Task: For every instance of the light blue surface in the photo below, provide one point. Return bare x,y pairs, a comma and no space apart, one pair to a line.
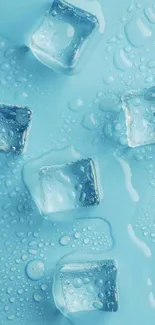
83,111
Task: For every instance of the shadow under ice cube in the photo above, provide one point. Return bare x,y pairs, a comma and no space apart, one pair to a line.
139,107
14,123
67,36
57,188
87,286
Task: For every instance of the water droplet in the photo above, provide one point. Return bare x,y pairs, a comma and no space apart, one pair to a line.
64,241
24,257
5,67
98,305
12,299
11,317
20,291
86,241
131,7
108,80
90,289
32,251
37,297
35,234
32,243
77,235
90,121
9,52
99,283
77,283
137,32
86,280
9,290
121,61
151,64
150,15
76,105
35,270
149,79
44,287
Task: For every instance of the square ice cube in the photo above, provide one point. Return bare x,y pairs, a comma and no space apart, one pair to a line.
68,34
14,122
57,188
87,287
139,107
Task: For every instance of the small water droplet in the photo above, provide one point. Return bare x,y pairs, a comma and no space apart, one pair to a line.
44,287
11,317
99,283
98,305
37,297
77,235
20,291
86,280
86,241
12,299
9,290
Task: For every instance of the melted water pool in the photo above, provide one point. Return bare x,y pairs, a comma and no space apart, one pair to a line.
83,112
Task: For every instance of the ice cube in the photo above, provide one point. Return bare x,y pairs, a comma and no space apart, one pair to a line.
139,107
87,286
68,34
57,188
14,122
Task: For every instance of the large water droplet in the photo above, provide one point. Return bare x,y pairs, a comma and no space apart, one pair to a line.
150,15
137,32
90,121
76,104
121,61
77,283
35,270
64,241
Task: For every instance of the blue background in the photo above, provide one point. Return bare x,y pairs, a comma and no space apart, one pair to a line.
120,63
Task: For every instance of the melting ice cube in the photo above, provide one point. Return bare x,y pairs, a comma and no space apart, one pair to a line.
57,188
139,107
87,286
68,34
14,122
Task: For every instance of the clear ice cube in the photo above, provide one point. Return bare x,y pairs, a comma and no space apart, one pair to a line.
15,123
87,286
68,34
139,107
57,188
